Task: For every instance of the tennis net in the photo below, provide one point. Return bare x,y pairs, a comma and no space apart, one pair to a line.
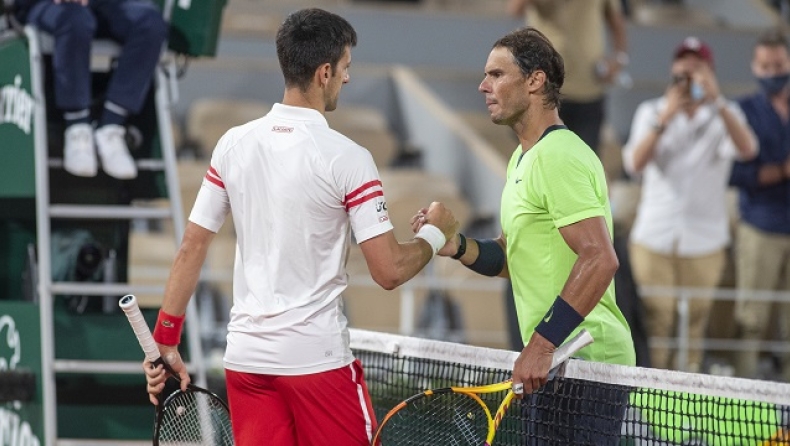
586,403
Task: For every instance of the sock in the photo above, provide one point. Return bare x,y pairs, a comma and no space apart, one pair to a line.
113,114
72,117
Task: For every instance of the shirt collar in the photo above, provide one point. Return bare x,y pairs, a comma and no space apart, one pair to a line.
298,113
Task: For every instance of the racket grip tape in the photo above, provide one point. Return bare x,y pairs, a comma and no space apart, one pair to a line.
568,349
129,306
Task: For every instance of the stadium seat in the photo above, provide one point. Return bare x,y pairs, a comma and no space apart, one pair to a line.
209,118
368,127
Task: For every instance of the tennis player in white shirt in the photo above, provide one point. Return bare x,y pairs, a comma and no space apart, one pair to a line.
295,189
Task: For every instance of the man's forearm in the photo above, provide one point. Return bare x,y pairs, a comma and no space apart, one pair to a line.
185,273
739,133
588,280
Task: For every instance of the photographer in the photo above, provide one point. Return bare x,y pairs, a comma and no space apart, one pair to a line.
682,145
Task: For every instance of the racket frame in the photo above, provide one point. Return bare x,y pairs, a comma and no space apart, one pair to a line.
130,307
561,355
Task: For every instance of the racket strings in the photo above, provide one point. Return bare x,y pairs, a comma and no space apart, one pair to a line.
194,419
442,419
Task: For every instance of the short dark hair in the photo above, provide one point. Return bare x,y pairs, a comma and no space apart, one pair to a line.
308,39
532,51
773,37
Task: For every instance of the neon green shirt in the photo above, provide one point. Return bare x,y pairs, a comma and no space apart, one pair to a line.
560,181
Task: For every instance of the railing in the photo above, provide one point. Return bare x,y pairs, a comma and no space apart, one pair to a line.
684,295
680,342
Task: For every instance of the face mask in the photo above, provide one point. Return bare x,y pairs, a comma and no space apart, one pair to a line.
772,85
696,92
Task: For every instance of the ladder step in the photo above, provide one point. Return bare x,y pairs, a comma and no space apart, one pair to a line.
81,366
116,367
112,212
104,289
153,164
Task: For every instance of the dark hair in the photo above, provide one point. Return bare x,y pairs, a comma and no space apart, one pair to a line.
532,51
773,38
308,39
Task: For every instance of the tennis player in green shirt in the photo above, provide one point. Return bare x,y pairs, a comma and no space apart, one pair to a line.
556,242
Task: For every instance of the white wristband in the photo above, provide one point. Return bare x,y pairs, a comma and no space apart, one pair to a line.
433,235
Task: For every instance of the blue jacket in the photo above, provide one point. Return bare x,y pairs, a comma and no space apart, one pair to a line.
765,207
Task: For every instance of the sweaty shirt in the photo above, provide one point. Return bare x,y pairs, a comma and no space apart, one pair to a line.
558,182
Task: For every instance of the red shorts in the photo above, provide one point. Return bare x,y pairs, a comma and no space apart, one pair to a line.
318,409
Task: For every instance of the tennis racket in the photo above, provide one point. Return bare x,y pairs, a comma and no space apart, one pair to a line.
456,415
193,417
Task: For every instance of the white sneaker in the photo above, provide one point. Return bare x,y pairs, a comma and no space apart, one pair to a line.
79,155
115,158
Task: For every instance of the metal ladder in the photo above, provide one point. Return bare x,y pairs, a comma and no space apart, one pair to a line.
47,289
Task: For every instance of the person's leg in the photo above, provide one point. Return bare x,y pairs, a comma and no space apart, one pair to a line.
330,405
653,269
630,302
585,119
140,29
784,307
575,412
258,411
758,267
700,272
72,27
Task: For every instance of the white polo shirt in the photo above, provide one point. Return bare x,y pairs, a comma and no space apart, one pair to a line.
683,208
295,188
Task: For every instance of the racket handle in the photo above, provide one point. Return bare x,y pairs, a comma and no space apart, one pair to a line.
568,349
129,306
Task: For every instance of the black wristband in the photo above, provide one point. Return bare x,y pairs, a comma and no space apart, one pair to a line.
461,247
490,258
559,322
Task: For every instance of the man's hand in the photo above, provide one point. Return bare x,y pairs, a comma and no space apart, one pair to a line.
705,78
534,364
450,248
438,215
676,97
156,376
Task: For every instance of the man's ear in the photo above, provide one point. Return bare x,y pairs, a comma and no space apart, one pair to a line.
323,73
536,81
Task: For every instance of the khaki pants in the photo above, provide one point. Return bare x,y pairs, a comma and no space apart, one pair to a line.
660,270
763,263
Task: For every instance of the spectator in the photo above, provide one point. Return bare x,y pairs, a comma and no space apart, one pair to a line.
139,27
763,234
588,69
682,145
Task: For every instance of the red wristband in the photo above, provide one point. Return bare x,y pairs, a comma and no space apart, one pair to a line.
168,329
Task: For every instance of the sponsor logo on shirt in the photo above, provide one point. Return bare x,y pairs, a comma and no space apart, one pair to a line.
282,129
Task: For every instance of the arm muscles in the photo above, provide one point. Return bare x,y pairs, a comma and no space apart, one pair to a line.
595,267
392,263
185,272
